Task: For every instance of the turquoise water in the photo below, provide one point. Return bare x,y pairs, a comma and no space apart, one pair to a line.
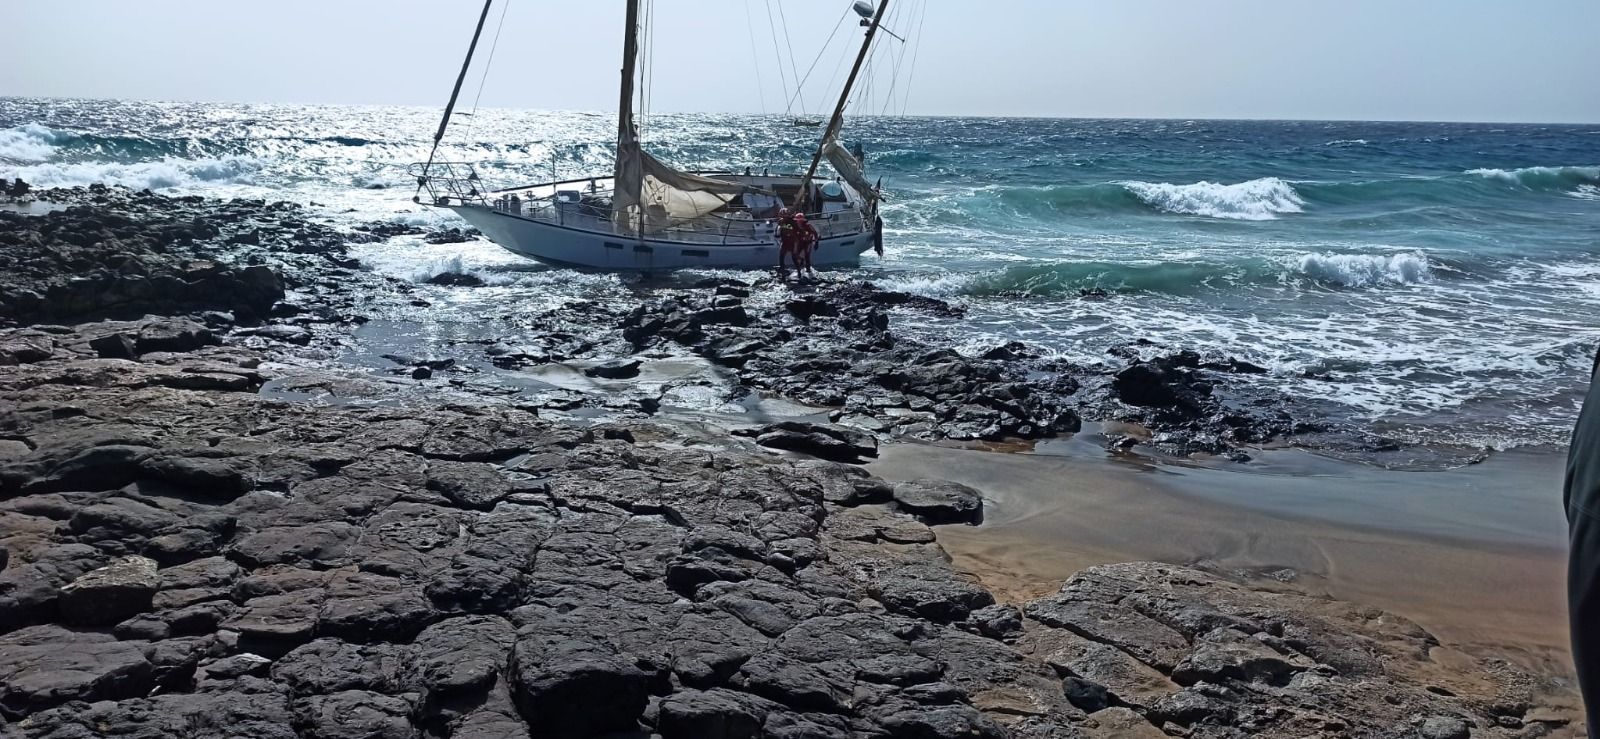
1438,281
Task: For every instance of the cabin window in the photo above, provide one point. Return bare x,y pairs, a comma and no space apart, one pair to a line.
642,249
851,242
613,245
696,253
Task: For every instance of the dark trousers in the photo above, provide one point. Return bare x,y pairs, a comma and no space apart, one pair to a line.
1583,569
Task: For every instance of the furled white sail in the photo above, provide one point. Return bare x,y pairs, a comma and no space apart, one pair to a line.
849,168
665,196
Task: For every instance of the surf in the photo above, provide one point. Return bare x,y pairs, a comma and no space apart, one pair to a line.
1093,278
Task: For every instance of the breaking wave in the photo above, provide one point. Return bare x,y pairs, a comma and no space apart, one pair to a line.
159,175
1089,278
27,143
1543,178
1253,200
1364,270
933,286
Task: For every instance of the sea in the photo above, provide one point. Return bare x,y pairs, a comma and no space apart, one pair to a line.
1437,282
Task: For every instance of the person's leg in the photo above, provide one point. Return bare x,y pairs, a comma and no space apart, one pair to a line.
1583,566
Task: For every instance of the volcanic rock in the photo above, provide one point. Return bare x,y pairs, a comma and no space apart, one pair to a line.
837,443
111,593
939,501
614,369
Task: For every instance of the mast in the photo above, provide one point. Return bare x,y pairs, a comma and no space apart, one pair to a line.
838,111
456,91
627,136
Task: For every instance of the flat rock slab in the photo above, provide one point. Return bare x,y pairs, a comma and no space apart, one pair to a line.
826,441
615,369
939,501
36,674
110,594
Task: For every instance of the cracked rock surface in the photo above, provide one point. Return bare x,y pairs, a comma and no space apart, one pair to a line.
183,556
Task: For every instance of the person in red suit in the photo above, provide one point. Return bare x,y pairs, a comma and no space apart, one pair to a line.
797,238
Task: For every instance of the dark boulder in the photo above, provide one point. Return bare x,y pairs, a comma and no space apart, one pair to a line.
115,346
810,307
939,501
46,666
355,714
712,714
1153,385
451,236
573,692
456,279
314,545
219,479
110,594
614,369
930,592
173,335
997,621
463,656
477,485
366,607
102,467
280,332
827,441
1087,695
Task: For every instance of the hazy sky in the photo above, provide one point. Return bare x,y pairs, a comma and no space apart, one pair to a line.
1486,60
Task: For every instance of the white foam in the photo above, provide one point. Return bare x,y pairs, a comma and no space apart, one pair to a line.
1364,270
1253,200
458,265
1587,192
1348,142
1532,176
27,143
162,175
932,286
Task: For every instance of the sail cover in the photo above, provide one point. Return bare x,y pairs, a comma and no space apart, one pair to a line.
849,168
665,196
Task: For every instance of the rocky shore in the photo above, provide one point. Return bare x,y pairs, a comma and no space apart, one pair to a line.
194,544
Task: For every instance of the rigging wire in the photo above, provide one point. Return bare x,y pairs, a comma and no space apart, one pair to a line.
761,87
823,51
837,68
894,77
779,56
651,103
911,74
487,65
647,66
788,41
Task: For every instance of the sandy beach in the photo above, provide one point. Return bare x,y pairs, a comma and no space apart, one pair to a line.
1474,554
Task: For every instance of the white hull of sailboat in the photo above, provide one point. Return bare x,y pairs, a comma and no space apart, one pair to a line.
573,247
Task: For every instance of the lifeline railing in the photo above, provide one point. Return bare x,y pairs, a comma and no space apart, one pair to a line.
445,180
459,181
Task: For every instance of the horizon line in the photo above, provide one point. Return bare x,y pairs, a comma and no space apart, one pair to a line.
991,116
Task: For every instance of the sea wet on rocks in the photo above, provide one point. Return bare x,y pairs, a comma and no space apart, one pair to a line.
283,543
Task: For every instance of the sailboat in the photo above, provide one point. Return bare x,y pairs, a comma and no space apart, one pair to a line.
647,216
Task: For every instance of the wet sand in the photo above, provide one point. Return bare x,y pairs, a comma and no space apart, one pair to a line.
1475,555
